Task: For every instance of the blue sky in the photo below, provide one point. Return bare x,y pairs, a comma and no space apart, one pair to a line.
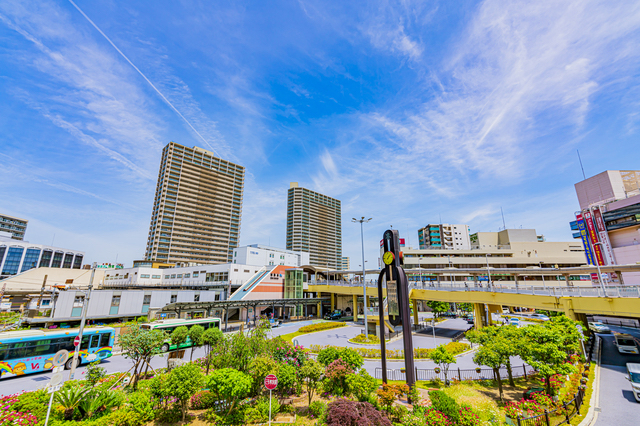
406,111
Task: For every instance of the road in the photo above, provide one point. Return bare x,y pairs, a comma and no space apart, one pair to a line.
617,404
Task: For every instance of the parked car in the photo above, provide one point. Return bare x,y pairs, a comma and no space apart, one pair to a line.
625,343
598,327
333,315
470,320
514,321
633,375
506,311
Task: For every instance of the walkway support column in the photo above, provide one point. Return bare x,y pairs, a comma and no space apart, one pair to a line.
478,315
494,309
355,308
416,320
319,313
333,302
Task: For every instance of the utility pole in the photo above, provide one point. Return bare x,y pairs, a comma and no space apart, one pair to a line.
85,308
44,282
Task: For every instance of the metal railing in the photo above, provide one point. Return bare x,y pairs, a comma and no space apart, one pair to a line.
631,291
427,374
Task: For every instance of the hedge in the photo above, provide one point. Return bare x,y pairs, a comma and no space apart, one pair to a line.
321,326
419,353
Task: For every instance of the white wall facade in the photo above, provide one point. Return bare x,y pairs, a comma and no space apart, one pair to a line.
259,255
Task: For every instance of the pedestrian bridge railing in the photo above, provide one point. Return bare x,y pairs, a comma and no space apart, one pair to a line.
631,291
427,374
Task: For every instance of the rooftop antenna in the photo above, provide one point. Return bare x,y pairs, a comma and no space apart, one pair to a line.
582,168
502,213
440,216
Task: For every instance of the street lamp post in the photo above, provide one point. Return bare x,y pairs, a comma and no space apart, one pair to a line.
488,271
543,284
450,273
364,284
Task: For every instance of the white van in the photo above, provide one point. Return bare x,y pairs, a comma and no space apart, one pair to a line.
625,343
633,375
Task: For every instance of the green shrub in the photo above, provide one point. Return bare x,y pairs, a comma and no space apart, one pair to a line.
141,403
287,379
361,385
321,326
262,405
361,338
327,355
203,400
183,382
317,409
35,403
350,356
445,404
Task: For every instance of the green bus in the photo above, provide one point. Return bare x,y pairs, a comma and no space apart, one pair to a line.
171,324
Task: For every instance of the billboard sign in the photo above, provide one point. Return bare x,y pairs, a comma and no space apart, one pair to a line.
593,237
585,240
604,236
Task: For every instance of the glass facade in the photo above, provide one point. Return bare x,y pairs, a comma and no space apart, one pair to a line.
30,259
57,260
14,255
2,251
45,260
77,262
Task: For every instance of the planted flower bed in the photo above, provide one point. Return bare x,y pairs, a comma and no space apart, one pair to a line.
321,326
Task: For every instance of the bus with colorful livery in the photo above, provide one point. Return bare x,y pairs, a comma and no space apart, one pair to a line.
171,324
32,351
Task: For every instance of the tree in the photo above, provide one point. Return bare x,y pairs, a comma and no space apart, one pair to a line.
489,356
179,336
438,307
183,382
511,338
443,358
195,335
210,338
311,373
260,368
140,345
229,385
544,349
465,307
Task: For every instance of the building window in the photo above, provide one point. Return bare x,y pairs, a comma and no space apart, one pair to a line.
174,298
187,275
68,260
45,260
12,262
115,305
196,297
146,300
77,261
173,276
155,277
30,259
166,277
195,275
57,260
179,276
144,276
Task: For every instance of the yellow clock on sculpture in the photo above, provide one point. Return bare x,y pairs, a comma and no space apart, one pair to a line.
388,258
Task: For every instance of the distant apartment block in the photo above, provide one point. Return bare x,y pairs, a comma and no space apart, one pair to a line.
16,226
314,225
259,255
346,263
197,208
444,236
19,256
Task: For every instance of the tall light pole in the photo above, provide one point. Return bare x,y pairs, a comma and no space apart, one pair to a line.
543,285
364,284
488,271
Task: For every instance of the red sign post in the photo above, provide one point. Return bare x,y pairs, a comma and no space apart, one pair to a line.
270,382
76,341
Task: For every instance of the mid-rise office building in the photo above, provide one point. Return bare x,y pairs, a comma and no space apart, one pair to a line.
314,225
608,222
346,263
259,255
197,208
444,236
14,225
17,256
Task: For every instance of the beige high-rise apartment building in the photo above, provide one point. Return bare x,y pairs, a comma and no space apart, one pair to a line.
197,208
314,225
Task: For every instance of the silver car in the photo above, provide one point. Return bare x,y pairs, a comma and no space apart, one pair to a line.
633,375
598,327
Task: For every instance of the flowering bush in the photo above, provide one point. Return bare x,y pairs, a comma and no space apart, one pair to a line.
434,417
321,326
8,416
467,417
556,381
289,354
202,400
527,407
389,393
336,374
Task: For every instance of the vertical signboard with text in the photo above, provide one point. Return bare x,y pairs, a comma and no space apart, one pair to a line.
585,239
593,237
